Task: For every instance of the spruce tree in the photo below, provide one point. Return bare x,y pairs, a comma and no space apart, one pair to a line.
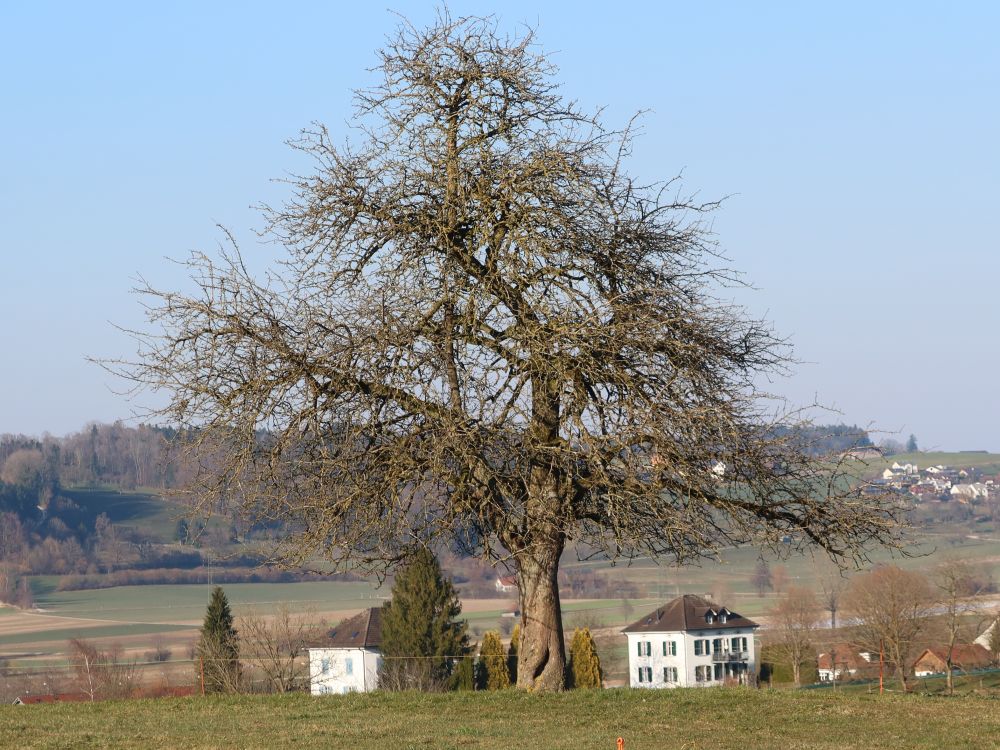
218,647
421,632
493,663
584,665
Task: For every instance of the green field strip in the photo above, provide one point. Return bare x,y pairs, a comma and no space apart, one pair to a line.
97,631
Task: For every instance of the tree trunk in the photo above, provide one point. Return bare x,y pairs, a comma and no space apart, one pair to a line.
541,657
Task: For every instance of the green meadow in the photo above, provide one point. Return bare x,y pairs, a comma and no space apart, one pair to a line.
577,720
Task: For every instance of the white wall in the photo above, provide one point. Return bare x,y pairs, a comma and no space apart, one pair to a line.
343,670
685,661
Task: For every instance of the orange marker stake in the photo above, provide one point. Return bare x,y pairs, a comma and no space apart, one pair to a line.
621,743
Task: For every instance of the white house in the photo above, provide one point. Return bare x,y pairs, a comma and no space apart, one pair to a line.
984,639
842,661
691,642
506,584
349,658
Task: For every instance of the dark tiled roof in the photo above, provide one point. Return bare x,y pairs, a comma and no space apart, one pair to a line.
364,630
687,613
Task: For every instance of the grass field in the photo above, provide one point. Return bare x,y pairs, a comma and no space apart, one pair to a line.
988,462
578,720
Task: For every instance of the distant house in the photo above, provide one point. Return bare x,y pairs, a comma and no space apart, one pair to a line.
506,584
964,658
349,658
984,639
691,642
843,661
971,491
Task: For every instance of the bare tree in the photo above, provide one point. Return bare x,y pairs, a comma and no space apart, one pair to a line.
956,582
891,606
274,645
487,332
779,579
832,584
101,673
793,622
761,577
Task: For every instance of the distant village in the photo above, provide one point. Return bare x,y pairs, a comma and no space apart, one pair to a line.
942,483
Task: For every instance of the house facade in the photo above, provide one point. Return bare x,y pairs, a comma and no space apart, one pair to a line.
506,584
349,658
691,642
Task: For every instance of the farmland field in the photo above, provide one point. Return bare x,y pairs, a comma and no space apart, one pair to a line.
577,720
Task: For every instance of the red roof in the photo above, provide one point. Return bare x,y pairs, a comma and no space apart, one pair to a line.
963,655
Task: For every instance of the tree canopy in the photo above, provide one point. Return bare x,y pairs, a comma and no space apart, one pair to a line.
487,333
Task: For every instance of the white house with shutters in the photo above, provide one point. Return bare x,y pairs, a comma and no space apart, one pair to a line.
349,658
691,642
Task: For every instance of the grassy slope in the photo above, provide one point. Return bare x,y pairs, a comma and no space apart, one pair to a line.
579,720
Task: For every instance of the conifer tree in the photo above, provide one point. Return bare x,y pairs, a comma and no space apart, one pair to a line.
218,647
515,644
493,674
422,637
584,665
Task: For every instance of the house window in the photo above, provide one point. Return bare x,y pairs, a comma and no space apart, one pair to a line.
708,616
349,665
698,649
701,673
718,671
670,674
723,616
645,648
324,665
649,674
645,674
670,648
641,673
716,646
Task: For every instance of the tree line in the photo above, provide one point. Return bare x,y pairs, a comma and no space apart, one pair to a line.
890,613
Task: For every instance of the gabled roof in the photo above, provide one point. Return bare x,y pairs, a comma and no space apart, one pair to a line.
688,613
364,630
969,656
848,655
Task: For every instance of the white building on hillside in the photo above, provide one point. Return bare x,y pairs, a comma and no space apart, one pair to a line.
348,660
691,642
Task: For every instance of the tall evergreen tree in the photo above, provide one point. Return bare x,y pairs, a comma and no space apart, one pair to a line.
584,665
421,632
219,647
493,672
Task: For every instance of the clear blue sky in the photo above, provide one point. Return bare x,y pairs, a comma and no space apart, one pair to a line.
859,142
